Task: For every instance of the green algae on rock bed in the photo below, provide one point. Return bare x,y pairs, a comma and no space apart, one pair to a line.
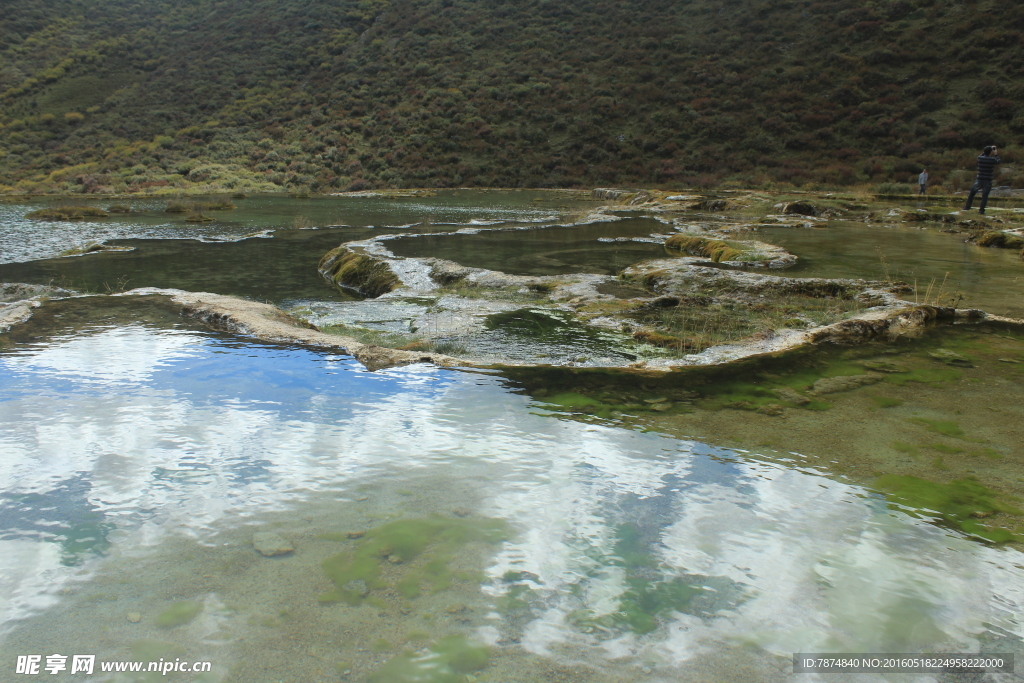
448,660
961,504
179,614
420,549
791,379
919,417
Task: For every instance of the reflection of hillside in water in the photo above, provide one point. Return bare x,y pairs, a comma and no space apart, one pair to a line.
630,549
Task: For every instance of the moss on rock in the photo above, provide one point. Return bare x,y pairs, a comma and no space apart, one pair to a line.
1004,240
716,250
367,275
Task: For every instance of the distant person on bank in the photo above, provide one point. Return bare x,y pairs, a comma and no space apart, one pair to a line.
922,181
986,165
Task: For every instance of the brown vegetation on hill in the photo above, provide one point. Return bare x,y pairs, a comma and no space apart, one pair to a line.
153,95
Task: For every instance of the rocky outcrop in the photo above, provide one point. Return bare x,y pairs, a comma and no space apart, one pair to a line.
92,248
609,194
800,209
19,291
907,320
351,269
270,323
12,314
1003,239
745,253
669,276
641,197
710,205
19,300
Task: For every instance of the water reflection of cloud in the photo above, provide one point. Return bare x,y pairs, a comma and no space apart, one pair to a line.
802,562
127,354
822,566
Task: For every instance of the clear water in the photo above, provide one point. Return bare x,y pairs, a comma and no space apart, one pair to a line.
279,268
22,239
250,251
990,279
543,251
140,453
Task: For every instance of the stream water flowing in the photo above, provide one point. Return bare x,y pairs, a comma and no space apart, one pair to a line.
444,525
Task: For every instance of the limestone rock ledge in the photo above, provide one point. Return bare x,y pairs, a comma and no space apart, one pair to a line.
270,323
18,301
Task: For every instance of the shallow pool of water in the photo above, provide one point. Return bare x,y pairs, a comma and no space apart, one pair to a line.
555,250
443,523
990,279
280,268
22,239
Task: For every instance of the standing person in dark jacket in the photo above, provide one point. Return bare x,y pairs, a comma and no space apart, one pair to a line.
986,165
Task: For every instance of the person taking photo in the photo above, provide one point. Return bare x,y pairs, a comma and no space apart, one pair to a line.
987,161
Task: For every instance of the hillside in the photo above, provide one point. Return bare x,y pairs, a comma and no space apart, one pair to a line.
327,95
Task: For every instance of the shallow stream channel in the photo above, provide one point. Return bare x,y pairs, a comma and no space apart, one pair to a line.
176,492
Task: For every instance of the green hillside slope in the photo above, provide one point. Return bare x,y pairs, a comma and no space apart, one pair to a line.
129,95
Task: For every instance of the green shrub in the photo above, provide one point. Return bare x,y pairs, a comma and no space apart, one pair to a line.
895,188
197,217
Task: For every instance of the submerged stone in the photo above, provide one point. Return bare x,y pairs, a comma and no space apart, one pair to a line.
834,385
270,544
179,614
791,396
883,366
951,358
